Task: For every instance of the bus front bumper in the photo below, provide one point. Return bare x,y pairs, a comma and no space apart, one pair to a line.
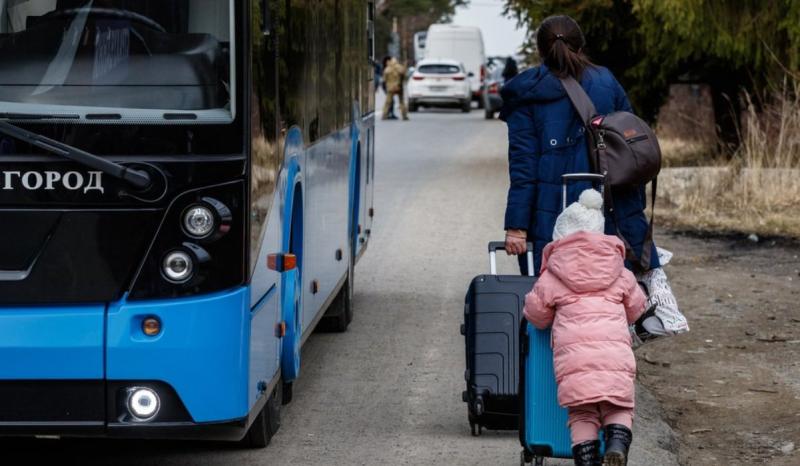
69,371
79,408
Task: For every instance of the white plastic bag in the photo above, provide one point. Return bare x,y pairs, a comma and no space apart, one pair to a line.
662,318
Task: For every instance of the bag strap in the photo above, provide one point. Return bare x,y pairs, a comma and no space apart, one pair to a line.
586,110
580,99
647,246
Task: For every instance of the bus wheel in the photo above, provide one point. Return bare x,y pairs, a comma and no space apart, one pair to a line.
266,423
340,312
288,393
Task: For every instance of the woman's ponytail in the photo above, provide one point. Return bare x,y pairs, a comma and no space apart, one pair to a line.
560,42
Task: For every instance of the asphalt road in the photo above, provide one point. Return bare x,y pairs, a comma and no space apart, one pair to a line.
389,390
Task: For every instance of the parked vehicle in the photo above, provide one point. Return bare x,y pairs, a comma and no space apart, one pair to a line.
495,61
439,83
463,44
492,102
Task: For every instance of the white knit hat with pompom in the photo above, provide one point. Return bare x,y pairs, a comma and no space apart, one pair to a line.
584,215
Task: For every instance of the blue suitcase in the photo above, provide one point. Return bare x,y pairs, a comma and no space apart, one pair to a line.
543,430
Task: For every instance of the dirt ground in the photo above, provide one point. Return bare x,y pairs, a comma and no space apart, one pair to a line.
731,386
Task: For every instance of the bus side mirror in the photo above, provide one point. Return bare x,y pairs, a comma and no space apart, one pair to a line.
266,18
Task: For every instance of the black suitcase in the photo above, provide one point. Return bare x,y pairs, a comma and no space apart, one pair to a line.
492,315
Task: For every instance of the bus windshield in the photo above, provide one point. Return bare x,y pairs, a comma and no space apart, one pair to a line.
118,61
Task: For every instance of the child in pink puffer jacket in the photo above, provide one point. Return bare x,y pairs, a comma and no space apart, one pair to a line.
588,296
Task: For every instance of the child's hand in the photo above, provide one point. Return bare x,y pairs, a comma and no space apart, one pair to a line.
516,242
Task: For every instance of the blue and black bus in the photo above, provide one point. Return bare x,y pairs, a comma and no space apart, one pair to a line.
185,189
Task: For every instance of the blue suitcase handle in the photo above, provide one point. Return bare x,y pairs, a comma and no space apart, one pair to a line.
569,177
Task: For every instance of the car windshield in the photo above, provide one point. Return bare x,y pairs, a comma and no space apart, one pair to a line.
439,68
118,61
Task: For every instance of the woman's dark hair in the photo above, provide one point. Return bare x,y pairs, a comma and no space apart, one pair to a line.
560,42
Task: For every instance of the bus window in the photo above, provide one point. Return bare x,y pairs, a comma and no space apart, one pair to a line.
265,151
123,61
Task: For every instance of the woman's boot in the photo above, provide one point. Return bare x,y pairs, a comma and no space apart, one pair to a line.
618,441
587,453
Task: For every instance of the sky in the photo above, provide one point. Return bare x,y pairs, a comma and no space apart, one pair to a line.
500,34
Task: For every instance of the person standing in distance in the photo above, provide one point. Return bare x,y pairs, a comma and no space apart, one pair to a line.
510,70
394,75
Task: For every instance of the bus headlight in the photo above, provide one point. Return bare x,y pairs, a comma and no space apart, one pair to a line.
177,267
198,221
143,403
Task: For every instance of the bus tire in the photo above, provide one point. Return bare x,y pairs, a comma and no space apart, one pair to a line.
287,393
347,290
466,106
258,435
267,423
340,312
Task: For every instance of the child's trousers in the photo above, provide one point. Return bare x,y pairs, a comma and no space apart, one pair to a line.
585,420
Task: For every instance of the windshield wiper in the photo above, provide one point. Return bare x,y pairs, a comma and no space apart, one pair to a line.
137,178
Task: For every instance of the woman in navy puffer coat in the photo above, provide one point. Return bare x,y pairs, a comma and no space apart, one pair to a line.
546,140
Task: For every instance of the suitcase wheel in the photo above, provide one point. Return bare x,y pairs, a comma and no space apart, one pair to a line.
526,458
476,429
478,406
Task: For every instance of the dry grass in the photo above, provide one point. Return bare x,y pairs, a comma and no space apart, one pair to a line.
677,152
758,190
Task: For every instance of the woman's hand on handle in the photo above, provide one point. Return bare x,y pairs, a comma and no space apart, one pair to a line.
516,242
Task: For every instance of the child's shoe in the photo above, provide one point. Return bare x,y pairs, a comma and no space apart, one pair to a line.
587,453
618,441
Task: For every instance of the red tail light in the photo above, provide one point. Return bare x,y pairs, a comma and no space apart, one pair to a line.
417,78
494,88
483,73
458,78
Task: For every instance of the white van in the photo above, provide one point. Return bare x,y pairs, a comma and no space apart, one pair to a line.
463,44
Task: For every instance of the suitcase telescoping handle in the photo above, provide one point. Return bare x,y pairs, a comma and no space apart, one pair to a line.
566,178
495,245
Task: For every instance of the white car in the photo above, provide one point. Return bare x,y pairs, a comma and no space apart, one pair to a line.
439,83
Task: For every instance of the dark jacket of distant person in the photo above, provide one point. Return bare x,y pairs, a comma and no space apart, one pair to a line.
510,70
